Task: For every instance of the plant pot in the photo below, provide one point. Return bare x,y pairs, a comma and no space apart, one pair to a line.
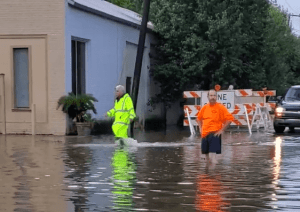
83,128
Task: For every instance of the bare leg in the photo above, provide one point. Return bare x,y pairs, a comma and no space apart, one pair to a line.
204,157
213,157
207,157
212,160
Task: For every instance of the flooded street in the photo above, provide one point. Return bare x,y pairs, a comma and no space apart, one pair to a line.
163,172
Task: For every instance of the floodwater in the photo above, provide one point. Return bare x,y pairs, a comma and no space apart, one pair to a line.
163,172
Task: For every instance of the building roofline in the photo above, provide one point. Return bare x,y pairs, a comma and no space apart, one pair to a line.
102,14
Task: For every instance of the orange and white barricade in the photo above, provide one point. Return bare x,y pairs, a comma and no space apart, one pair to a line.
244,113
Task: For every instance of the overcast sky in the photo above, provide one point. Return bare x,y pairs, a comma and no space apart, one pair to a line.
293,7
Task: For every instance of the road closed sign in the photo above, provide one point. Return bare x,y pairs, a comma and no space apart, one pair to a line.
224,97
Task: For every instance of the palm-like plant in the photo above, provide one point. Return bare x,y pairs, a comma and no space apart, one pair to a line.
77,105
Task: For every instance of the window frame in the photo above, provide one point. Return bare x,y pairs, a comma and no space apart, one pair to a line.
13,99
86,43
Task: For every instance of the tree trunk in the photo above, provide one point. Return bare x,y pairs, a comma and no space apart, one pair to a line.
165,116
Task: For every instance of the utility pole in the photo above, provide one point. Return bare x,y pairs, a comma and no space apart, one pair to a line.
139,57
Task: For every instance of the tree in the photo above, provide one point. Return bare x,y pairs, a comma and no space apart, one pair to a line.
208,42
134,5
281,55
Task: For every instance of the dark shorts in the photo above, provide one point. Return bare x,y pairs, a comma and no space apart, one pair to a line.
211,143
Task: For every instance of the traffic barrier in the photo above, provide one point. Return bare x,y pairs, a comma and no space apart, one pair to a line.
186,122
192,129
238,111
193,110
262,94
192,94
243,92
263,115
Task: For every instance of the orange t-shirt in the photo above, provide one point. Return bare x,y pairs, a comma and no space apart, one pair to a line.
213,118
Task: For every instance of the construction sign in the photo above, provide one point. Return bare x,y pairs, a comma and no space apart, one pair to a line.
224,97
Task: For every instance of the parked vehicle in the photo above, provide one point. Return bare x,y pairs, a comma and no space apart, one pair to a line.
287,111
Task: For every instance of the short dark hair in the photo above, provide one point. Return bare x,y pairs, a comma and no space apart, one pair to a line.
210,91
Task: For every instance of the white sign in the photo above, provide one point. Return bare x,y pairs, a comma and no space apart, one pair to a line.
224,97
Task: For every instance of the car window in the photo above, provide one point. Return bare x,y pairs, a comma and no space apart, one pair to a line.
292,94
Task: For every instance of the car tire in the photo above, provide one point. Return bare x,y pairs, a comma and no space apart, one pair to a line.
279,129
292,129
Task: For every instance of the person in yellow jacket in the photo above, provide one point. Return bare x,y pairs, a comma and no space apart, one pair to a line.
123,112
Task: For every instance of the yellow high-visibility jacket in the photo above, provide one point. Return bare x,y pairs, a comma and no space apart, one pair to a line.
123,111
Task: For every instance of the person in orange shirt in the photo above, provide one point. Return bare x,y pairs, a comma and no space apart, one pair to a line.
212,119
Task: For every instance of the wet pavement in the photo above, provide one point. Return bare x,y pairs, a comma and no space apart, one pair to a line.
163,172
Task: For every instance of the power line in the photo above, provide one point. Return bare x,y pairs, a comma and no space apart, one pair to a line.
290,6
295,7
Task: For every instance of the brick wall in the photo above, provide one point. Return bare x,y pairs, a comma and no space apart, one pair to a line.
40,17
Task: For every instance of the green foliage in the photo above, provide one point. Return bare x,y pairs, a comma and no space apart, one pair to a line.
76,106
281,53
207,42
134,5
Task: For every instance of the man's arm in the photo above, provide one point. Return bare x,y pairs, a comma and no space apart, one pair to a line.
199,124
228,117
199,119
130,108
110,113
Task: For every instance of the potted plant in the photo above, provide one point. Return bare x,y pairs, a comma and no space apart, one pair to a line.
76,106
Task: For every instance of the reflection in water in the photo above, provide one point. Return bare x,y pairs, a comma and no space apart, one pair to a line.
78,161
31,174
123,175
44,173
23,194
208,196
277,159
276,169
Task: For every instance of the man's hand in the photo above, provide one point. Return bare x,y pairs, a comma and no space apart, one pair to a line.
218,133
199,125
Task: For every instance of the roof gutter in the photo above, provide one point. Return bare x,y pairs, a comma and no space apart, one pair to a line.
105,15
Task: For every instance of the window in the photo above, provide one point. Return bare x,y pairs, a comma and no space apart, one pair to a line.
21,77
293,94
128,85
78,67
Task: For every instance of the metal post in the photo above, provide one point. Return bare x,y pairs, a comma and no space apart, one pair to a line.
3,115
190,123
33,119
139,57
246,113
